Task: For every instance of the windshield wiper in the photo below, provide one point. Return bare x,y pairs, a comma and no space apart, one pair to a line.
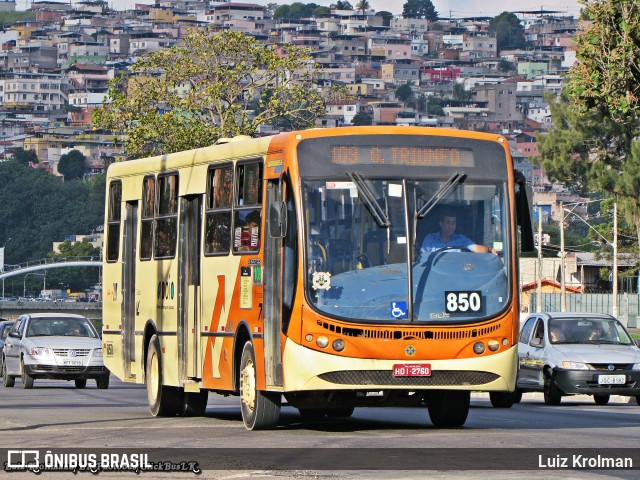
379,215
442,192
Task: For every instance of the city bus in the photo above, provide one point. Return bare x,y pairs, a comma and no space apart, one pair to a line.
290,270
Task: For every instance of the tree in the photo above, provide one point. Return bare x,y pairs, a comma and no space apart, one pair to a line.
362,6
25,157
509,31
362,118
271,8
188,97
459,93
386,17
321,12
420,9
76,278
71,165
593,140
342,5
404,92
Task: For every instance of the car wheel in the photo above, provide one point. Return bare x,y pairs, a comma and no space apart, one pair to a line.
102,382
260,409
81,382
164,401
517,396
8,380
448,408
27,380
502,399
552,394
601,399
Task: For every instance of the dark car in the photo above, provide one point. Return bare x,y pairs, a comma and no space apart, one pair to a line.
577,353
56,346
5,326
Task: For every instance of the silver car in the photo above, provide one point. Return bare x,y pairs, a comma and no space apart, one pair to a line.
56,346
5,326
577,353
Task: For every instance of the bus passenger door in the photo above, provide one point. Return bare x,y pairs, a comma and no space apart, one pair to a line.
129,287
272,308
189,287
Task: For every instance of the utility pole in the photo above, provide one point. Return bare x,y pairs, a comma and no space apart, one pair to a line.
615,260
563,293
539,295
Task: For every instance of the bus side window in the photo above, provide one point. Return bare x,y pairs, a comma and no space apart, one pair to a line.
247,226
113,221
218,210
167,216
148,212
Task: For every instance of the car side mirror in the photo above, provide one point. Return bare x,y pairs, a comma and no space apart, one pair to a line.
15,334
536,342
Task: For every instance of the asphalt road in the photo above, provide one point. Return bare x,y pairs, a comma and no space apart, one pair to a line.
399,442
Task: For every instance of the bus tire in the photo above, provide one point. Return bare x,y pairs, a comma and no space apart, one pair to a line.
260,409
194,404
164,401
342,412
502,399
8,380
448,408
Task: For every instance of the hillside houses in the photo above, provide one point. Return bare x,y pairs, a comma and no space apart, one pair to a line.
54,69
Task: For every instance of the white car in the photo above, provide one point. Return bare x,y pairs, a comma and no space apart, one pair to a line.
55,346
577,353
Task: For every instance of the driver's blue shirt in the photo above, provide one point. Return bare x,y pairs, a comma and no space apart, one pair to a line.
433,242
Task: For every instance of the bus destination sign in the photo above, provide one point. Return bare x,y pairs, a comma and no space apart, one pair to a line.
418,156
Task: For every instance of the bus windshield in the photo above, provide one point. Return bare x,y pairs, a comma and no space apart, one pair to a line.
406,250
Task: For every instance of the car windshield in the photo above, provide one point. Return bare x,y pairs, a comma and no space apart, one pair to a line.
74,327
363,235
588,330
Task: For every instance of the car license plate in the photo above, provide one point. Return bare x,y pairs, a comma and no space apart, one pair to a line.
612,379
73,363
412,370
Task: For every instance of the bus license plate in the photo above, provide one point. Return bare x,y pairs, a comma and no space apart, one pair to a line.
612,379
412,370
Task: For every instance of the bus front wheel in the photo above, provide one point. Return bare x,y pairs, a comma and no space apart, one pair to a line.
448,408
260,409
164,401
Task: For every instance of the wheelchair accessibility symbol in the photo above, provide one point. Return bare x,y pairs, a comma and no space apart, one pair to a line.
399,309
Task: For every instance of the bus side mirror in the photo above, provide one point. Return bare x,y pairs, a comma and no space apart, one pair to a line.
277,219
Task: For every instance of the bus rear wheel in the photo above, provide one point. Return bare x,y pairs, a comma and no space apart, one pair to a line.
448,408
260,409
164,401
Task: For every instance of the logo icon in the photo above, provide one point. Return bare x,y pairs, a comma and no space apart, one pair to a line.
399,309
410,350
23,459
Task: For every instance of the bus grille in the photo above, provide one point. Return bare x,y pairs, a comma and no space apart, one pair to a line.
385,377
384,333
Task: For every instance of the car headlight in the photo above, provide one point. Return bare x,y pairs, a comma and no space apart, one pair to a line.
575,366
635,366
40,351
97,352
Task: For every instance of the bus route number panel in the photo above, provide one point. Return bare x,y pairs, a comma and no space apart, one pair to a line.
412,370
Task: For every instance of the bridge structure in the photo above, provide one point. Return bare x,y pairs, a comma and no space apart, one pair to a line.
45,264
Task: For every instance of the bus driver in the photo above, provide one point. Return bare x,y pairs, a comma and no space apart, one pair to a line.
447,237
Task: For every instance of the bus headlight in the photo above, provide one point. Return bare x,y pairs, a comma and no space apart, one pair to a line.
338,345
322,341
493,345
478,347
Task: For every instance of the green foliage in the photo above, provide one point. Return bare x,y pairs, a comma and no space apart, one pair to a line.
9,18
509,31
434,106
71,165
362,6
188,97
386,17
74,278
321,12
404,92
25,157
362,118
459,93
342,5
420,9
295,10
39,209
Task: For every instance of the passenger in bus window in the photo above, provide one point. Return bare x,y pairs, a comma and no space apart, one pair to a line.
447,237
250,236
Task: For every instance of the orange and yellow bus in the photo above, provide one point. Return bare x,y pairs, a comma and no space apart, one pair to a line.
291,269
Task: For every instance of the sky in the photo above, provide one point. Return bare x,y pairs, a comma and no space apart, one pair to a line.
457,8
